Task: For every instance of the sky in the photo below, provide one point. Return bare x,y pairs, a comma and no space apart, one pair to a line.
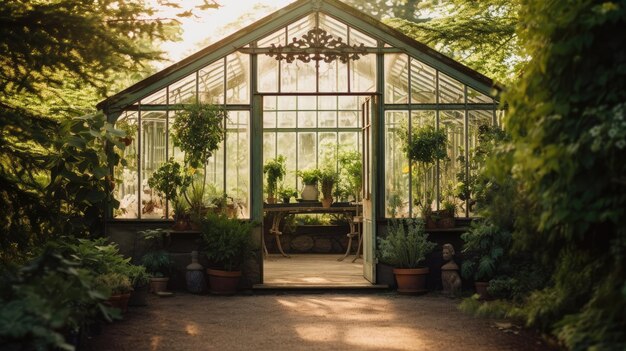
210,25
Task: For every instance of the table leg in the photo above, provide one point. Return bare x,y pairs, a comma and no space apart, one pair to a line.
274,231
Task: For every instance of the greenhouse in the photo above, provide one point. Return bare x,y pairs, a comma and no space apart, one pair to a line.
311,83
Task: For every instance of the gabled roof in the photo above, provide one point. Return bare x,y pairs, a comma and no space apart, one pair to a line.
282,18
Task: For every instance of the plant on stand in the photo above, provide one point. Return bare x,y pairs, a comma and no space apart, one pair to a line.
167,180
310,178
425,147
286,193
328,177
405,247
198,131
227,243
275,171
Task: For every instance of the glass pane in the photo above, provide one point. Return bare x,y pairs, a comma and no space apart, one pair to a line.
269,146
327,149
327,119
423,181
126,181
297,29
276,38
358,38
475,97
349,103
307,151
152,157
327,102
174,151
269,119
238,163
423,83
349,119
268,73
286,103
158,98
237,78
478,124
183,91
286,119
333,27
396,165
211,83
333,77
307,119
298,76
307,103
363,74
286,142
396,79
451,91
452,170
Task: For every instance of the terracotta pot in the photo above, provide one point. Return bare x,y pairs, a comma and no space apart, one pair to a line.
310,192
411,280
181,224
158,284
271,200
481,290
223,282
327,201
119,301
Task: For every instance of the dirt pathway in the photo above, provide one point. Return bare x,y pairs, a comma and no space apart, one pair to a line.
382,321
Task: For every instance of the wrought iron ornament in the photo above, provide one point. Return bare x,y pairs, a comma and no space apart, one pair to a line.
317,45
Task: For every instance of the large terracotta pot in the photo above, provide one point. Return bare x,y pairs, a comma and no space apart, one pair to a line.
310,192
327,202
119,301
158,284
411,280
223,282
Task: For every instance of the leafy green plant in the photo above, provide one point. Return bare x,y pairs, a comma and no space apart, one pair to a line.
275,171
116,283
485,246
156,239
287,192
226,242
449,208
327,177
310,177
168,179
157,263
351,172
406,244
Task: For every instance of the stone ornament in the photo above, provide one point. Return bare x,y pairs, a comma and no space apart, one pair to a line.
196,282
450,278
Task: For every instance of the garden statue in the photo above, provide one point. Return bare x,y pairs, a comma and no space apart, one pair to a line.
450,278
196,283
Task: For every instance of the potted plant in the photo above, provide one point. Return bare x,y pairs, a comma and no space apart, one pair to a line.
351,172
446,215
286,193
182,218
405,247
328,177
140,281
484,247
310,178
156,260
275,171
120,287
166,181
425,147
226,242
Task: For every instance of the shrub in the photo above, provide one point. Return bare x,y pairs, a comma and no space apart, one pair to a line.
406,244
226,242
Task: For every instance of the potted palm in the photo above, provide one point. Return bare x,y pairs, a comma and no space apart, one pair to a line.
310,178
405,247
226,242
328,178
275,171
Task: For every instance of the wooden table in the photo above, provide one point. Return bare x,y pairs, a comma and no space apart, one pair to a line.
279,212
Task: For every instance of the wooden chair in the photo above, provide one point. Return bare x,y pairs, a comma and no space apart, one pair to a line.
355,232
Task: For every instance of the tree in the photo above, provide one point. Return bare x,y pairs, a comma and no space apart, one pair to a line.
479,34
410,10
567,120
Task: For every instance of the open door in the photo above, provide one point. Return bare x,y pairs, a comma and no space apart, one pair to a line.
368,110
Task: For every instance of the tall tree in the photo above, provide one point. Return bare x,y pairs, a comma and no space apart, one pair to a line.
480,34
411,10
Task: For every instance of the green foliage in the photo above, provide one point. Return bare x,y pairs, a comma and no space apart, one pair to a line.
48,295
426,146
406,244
198,132
275,171
491,309
407,9
158,263
116,283
310,176
155,239
168,179
287,192
328,177
351,172
485,246
565,160
479,34
226,242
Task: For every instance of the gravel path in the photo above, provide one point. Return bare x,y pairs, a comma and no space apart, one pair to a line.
381,321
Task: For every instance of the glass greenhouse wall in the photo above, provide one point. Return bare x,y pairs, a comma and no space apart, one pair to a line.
309,112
